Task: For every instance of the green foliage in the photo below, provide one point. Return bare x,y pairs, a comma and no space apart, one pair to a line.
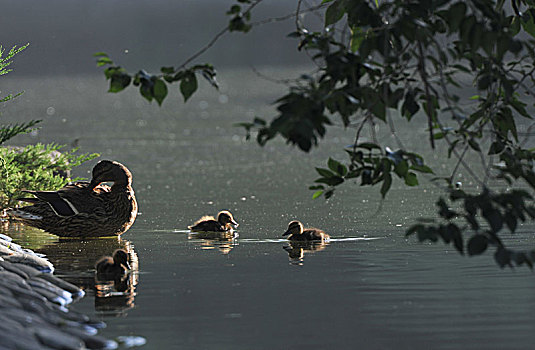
154,87
239,21
5,62
372,166
35,167
9,131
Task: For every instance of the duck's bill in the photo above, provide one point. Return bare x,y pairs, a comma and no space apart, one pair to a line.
235,224
286,233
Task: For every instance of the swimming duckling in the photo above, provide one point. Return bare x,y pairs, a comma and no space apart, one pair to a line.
296,232
115,266
223,223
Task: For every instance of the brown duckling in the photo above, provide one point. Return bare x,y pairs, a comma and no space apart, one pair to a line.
297,232
224,222
84,209
115,266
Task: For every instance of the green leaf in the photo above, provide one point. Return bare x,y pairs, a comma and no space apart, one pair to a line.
102,61
401,168
411,179
528,24
387,183
331,181
188,85
317,194
119,81
474,145
357,36
160,91
337,167
324,172
335,12
422,169
368,146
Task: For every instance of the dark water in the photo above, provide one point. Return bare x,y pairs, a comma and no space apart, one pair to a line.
368,288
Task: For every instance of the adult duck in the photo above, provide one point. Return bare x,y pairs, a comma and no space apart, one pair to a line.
296,232
225,222
84,209
112,266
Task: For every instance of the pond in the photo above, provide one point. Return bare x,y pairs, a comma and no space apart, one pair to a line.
368,288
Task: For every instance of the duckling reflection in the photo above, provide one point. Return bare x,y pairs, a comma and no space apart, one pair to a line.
223,241
224,223
110,267
115,296
74,259
296,232
296,250
114,283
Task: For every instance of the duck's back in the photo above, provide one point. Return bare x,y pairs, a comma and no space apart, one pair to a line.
314,234
207,224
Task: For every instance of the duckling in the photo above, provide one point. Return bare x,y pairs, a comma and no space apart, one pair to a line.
224,222
297,232
84,209
116,266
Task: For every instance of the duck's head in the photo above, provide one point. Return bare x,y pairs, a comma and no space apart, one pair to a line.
294,228
225,218
110,171
120,257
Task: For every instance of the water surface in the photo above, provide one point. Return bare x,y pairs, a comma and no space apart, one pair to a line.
368,288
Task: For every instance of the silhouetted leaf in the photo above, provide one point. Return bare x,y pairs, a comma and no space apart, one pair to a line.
456,237
325,172
477,244
422,169
188,85
496,147
337,167
334,12
387,182
160,91
401,168
502,257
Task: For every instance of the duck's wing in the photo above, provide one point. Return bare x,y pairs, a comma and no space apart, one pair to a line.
64,202
61,206
313,233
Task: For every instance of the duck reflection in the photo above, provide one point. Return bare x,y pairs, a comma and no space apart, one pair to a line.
115,283
222,241
296,250
74,260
